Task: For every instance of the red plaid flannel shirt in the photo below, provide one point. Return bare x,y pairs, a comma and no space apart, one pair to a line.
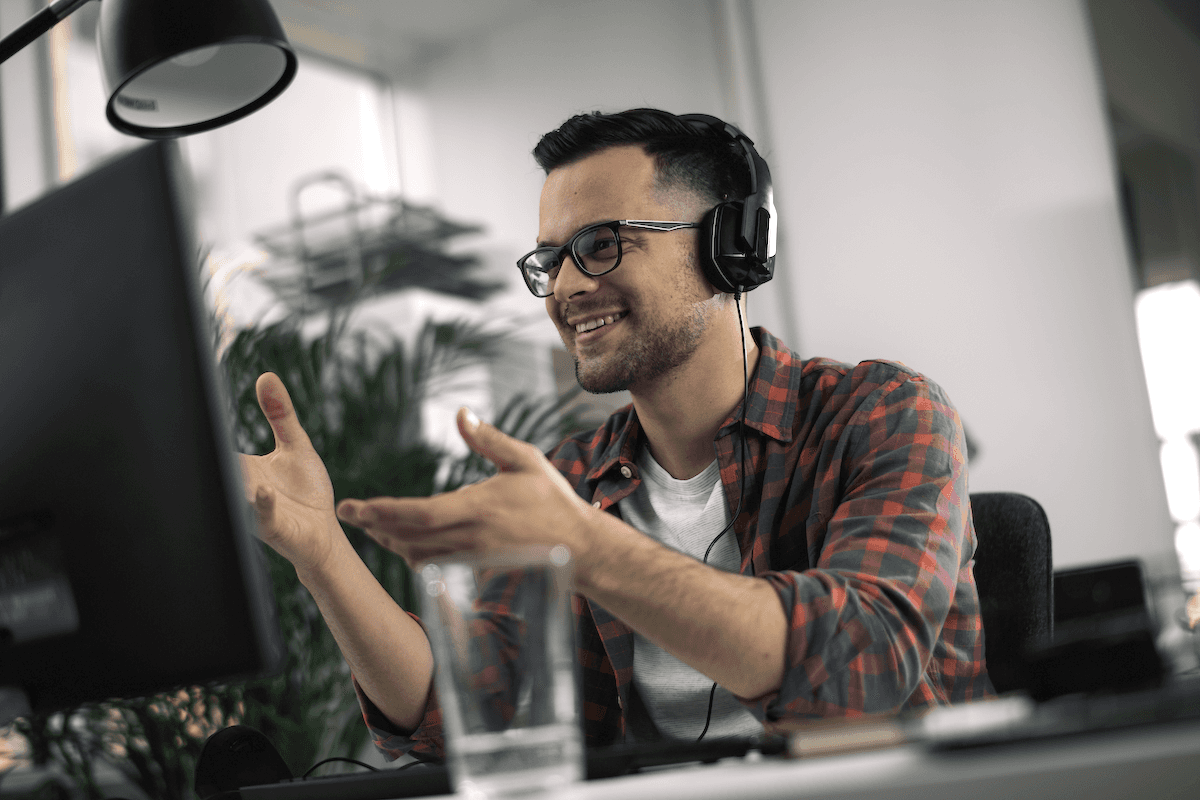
857,513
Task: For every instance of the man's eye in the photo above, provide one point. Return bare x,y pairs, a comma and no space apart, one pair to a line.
543,263
601,248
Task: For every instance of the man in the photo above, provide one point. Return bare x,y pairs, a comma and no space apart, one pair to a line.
844,586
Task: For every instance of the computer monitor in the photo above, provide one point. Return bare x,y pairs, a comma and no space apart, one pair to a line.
128,561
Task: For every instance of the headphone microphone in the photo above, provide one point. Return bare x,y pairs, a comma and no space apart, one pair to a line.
739,236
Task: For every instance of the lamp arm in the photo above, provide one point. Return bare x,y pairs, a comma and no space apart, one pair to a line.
36,25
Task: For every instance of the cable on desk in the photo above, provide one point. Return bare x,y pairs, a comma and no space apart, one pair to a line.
338,758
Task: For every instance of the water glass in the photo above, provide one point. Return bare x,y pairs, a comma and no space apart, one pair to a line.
503,641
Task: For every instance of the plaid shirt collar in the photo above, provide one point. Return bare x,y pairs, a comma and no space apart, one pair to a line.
774,393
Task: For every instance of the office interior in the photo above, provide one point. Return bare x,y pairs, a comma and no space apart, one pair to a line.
998,194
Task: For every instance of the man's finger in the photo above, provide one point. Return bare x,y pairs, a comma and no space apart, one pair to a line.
505,452
399,514
355,512
277,407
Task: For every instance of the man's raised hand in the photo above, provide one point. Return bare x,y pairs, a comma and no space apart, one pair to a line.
289,487
527,503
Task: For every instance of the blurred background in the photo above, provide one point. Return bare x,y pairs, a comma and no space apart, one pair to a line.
1002,195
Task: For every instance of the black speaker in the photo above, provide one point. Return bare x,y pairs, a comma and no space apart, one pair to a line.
237,756
1104,635
738,236
1100,590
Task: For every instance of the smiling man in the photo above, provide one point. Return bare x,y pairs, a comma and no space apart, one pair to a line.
757,538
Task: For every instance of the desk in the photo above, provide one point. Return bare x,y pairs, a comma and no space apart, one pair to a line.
1154,762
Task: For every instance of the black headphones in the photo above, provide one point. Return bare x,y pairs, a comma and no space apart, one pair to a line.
740,234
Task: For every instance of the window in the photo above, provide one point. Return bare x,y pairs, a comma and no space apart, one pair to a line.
1168,318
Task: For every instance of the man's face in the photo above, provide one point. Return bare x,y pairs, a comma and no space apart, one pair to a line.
656,305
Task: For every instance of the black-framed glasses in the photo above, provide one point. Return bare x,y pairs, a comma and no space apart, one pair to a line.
596,250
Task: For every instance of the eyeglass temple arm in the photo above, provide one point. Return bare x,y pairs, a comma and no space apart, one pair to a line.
657,225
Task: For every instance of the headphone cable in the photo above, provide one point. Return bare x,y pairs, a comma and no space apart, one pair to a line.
737,299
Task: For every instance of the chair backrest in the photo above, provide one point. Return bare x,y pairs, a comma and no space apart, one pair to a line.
1014,572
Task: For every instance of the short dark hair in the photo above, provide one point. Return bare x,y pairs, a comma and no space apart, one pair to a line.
685,156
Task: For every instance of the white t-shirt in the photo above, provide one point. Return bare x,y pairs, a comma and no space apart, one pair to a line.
685,516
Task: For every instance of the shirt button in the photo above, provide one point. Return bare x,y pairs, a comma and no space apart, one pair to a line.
596,504
627,472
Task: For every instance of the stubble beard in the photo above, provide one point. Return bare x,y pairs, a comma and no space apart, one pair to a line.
649,354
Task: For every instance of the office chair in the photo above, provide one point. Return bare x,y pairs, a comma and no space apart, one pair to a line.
1015,576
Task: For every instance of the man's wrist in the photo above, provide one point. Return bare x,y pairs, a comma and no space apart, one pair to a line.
317,569
582,541
607,546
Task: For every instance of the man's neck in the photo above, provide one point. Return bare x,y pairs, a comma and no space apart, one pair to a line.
681,413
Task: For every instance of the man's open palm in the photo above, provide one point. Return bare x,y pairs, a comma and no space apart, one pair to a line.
289,487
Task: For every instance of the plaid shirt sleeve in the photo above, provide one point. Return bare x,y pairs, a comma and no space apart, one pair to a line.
883,615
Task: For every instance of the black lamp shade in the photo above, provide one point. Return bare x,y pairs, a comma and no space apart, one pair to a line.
175,67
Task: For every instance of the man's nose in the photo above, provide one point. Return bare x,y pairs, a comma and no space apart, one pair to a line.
572,281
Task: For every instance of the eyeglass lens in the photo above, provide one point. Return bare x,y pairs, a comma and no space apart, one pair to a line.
595,250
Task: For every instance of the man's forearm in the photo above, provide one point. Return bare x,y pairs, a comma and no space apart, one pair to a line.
386,649
730,627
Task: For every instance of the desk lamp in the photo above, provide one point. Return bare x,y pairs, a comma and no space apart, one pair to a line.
179,67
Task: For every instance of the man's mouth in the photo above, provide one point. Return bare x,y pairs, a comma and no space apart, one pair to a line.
599,322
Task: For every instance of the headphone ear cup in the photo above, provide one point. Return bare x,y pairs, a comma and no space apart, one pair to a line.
727,265
724,249
714,232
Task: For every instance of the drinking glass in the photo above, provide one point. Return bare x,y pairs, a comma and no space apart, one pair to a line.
503,641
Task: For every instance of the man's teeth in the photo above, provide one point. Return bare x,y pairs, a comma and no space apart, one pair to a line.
591,325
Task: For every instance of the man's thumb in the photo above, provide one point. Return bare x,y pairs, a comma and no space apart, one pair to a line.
277,407
502,450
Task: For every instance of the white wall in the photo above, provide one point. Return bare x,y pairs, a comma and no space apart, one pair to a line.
952,206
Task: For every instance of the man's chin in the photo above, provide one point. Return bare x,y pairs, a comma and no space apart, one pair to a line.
599,381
